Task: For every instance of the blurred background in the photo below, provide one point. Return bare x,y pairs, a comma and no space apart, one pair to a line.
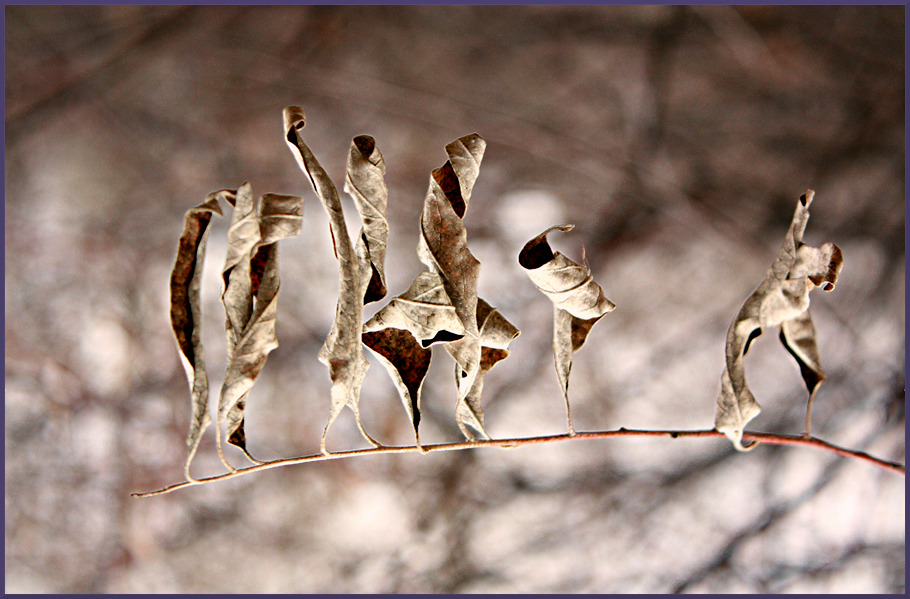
677,139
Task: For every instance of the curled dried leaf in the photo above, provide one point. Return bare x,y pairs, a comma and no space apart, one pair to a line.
365,183
782,299
443,243
358,264
400,333
495,333
186,314
251,285
578,301
441,305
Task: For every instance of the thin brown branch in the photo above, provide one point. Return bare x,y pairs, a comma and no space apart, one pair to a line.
767,438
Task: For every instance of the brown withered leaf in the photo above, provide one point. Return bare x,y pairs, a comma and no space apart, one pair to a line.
342,351
578,302
251,285
782,299
443,243
441,305
400,333
186,314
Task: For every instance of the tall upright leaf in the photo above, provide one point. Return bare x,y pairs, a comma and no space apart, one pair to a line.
186,314
360,264
782,299
251,285
441,305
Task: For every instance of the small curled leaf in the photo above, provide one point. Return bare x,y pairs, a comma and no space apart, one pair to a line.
578,301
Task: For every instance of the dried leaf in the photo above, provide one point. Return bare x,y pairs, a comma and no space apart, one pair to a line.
441,305
578,301
400,333
496,333
250,297
186,314
443,243
782,300
359,264
365,183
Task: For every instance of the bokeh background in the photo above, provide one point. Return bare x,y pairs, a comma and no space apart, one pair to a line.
677,139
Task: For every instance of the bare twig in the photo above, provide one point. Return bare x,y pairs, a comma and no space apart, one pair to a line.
768,438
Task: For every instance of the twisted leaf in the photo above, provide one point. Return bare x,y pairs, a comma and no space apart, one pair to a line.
186,314
365,183
578,302
250,297
782,299
360,265
441,305
496,333
443,243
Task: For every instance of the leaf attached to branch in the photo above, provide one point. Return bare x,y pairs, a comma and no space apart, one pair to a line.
496,333
782,300
251,284
361,272
441,305
186,314
578,301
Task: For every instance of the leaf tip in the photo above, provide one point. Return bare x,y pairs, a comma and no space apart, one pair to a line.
806,198
294,118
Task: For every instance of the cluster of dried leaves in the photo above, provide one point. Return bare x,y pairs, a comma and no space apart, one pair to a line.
441,306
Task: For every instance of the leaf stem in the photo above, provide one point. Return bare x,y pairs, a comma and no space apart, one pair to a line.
766,438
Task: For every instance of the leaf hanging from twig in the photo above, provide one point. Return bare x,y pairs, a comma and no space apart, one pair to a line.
782,299
578,301
251,285
186,314
443,243
496,333
441,305
358,264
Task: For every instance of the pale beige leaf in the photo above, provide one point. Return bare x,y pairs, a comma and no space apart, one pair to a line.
243,235
424,310
342,351
400,333
578,301
186,314
496,333
782,299
365,183
252,277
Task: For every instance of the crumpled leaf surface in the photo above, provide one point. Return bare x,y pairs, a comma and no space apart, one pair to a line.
365,183
441,305
360,265
496,333
251,285
782,299
578,301
186,314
